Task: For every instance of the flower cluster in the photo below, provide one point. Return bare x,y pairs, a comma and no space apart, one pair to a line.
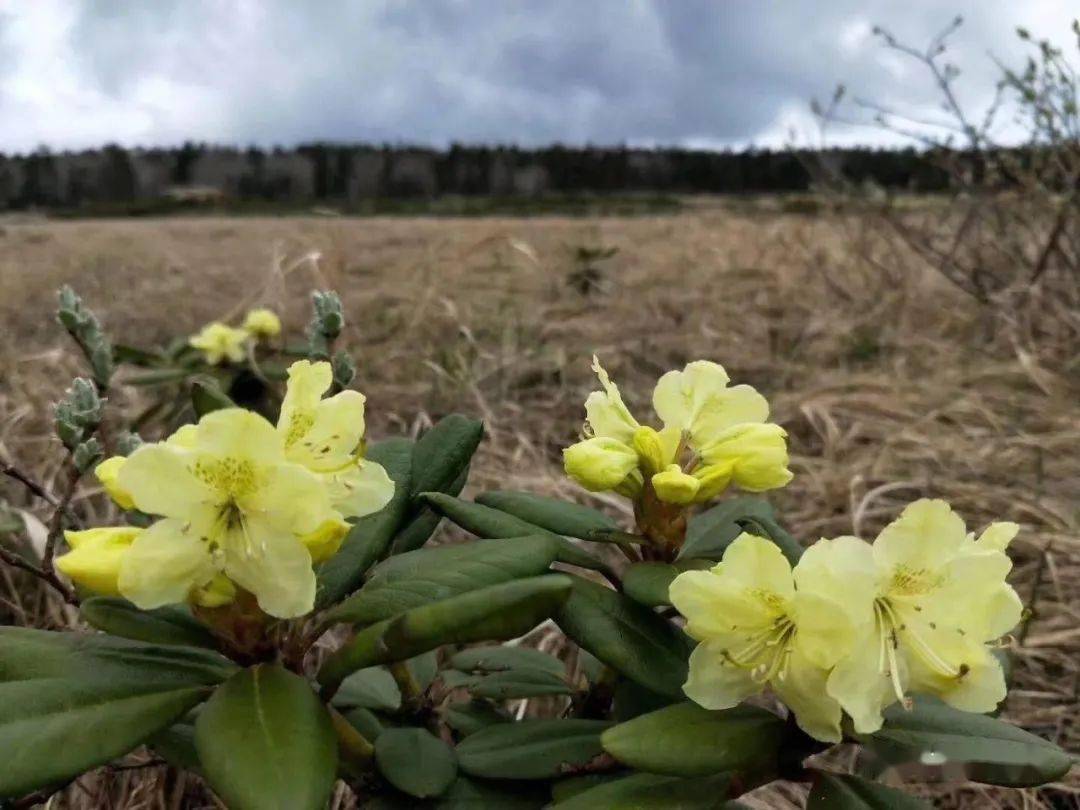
712,436
240,502
220,342
855,626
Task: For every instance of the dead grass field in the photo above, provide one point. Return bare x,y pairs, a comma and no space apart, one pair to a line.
891,389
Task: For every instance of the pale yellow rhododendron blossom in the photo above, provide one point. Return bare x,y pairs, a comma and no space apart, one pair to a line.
755,629
713,436
219,342
231,504
927,599
95,557
262,322
326,436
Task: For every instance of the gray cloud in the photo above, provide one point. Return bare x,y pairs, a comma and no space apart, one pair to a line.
700,72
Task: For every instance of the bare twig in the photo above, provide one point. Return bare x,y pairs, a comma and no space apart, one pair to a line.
48,577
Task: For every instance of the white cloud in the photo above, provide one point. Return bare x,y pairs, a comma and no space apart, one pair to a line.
80,73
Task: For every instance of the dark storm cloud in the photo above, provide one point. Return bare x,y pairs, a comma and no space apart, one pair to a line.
702,72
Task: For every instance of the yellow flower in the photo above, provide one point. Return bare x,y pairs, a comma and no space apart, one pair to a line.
926,599
326,436
232,504
713,436
107,472
263,323
219,343
95,557
755,628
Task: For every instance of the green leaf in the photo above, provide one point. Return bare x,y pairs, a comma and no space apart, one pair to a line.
519,683
711,532
646,791
266,741
371,688
167,625
483,521
626,636
416,532
557,516
647,583
531,749
415,761
429,575
366,722
468,718
176,745
990,750
630,699
206,397
444,452
835,791
123,353
500,659
70,702
687,740
159,376
499,612
472,794
371,535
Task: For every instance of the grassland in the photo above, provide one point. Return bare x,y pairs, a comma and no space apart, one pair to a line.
892,385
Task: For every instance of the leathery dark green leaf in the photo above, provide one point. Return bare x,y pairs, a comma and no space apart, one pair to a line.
483,521
648,582
561,517
531,749
443,452
429,575
415,761
499,612
167,625
626,636
836,791
266,741
370,536
687,740
71,701
646,791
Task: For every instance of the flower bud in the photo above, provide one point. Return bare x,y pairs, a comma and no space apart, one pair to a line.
649,450
599,464
674,486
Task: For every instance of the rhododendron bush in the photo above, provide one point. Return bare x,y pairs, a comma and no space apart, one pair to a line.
269,610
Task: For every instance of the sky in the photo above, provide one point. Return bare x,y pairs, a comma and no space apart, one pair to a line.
697,73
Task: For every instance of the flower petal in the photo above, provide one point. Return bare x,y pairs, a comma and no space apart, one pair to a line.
334,434
164,564
842,566
680,396
924,538
274,566
289,497
95,556
161,481
758,563
997,536
862,685
606,412
716,683
600,463
363,489
980,687
235,433
738,405
803,690
825,631
756,454
717,607
108,473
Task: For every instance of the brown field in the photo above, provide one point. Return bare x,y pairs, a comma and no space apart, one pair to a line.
892,387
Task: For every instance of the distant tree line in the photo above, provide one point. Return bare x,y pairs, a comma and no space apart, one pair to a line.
350,173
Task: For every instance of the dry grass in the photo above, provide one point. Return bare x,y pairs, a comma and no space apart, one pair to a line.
892,388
